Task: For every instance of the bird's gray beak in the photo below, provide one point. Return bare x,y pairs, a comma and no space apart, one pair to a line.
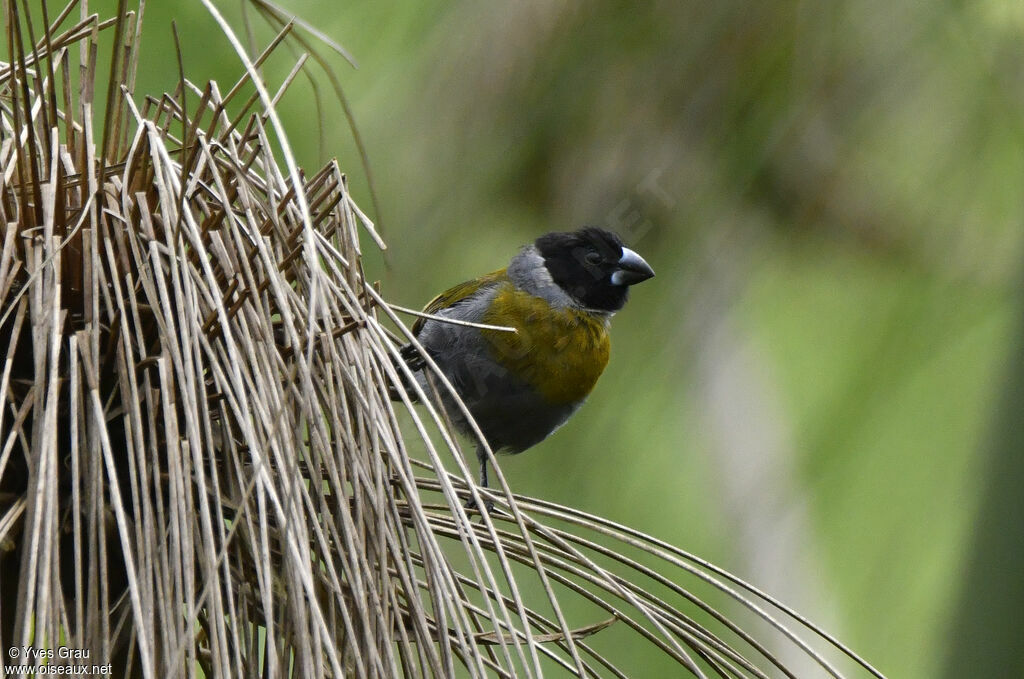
632,269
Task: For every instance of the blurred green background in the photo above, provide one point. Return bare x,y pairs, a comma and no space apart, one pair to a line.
830,192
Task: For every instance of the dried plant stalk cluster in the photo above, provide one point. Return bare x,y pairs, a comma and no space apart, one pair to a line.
201,471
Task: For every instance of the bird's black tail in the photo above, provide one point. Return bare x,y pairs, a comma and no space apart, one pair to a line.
413,360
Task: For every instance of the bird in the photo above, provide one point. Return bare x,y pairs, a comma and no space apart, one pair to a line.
557,295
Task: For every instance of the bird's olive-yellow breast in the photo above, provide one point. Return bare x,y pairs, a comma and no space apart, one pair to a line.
559,352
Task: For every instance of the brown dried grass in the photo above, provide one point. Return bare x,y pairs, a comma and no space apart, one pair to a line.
201,472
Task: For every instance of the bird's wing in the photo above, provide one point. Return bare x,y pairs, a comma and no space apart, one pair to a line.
456,294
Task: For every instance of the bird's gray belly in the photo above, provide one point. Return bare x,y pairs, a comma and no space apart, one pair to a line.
510,413
511,416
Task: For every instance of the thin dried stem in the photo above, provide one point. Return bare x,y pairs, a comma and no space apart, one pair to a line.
202,471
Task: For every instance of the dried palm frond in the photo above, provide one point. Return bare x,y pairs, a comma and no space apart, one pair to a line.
201,470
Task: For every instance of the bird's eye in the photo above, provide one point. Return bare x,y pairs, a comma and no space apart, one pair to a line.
593,257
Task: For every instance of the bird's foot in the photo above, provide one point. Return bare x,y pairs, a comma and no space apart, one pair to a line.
471,505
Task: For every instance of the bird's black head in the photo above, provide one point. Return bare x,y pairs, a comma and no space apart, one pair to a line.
593,266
